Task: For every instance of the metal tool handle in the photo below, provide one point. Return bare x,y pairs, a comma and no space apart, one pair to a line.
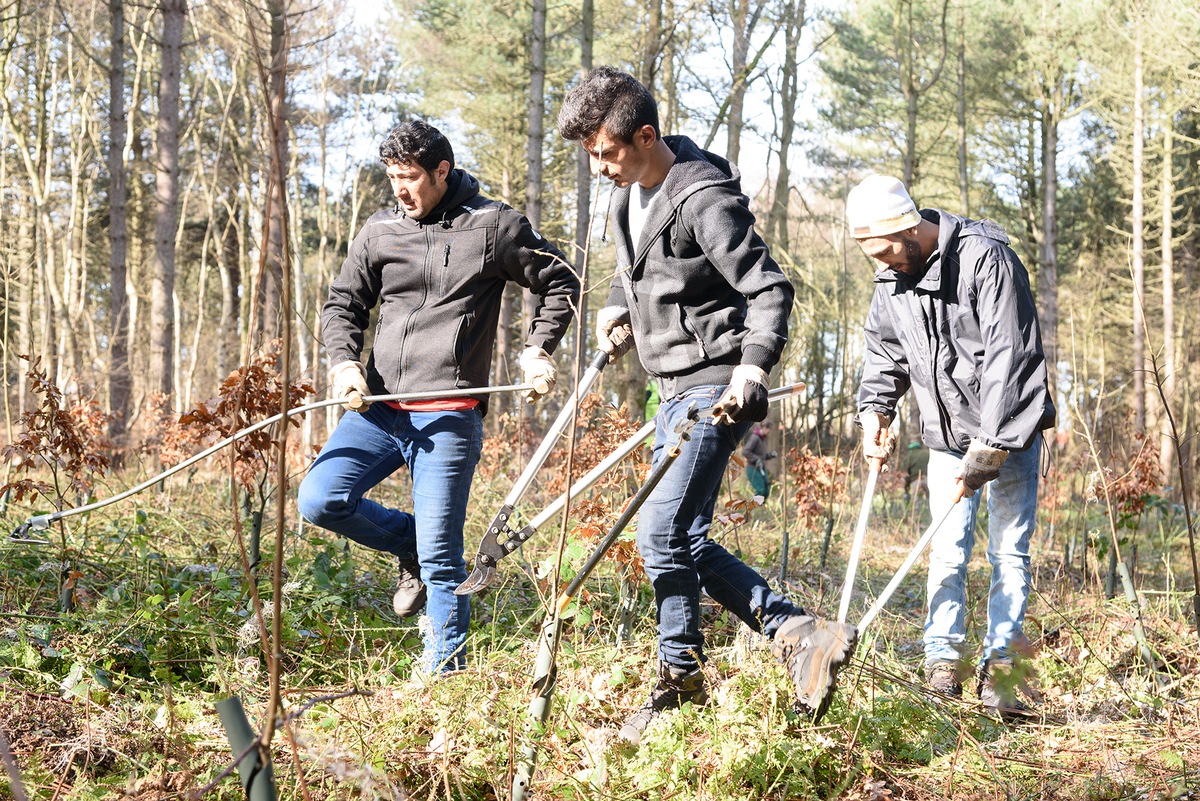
860,533
560,423
909,561
41,522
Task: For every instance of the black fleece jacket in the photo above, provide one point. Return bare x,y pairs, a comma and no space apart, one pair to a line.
439,281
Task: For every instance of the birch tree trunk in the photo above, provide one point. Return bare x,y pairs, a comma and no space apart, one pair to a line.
1168,378
166,192
1137,256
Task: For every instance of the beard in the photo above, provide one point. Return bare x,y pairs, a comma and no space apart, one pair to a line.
913,260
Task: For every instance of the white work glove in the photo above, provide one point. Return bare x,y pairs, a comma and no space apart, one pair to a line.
348,380
980,465
878,441
538,369
745,398
614,334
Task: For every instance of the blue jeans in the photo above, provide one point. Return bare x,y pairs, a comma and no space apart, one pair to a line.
441,450
1012,515
672,536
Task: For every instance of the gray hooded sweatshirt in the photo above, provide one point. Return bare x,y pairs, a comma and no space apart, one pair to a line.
703,292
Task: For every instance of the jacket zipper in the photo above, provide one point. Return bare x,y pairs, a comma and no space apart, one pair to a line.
410,323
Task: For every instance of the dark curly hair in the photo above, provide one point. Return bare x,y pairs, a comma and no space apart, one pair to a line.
606,96
416,142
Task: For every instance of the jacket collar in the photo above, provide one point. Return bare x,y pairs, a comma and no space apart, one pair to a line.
694,169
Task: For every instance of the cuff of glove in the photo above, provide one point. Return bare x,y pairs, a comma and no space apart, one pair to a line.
748,372
984,457
618,313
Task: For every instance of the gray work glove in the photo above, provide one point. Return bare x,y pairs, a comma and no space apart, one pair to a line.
348,381
745,398
980,465
878,441
537,368
614,334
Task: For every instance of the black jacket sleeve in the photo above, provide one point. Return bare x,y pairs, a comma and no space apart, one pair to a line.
530,260
885,369
353,294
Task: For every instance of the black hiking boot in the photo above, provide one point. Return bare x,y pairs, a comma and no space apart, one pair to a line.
410,590
813,650
675,688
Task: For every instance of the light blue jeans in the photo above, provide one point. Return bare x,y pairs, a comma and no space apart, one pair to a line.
672,536
1012,515
440,450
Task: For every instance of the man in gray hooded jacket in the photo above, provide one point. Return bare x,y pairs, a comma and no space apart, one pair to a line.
707,306
953,318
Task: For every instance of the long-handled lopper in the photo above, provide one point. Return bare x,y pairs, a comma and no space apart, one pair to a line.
492,549
909,561
23,534
545,669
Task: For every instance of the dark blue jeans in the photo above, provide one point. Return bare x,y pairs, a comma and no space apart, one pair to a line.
441,450
672,536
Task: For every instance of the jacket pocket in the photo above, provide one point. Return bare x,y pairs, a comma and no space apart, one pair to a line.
685,322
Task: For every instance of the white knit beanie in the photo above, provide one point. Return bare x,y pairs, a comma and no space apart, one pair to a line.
880,206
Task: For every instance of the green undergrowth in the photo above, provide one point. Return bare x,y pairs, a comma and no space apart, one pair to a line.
121,634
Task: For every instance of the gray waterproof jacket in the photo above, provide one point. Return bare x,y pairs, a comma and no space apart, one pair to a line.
965,336
439,281
703,292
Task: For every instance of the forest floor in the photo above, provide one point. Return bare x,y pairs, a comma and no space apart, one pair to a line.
119,636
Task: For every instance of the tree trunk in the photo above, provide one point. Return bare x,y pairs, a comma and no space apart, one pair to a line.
271,284
120,378
650,48
964,195
533,144
1138,256
583,187
1167,440
737,91
1047,279
166,191
789,90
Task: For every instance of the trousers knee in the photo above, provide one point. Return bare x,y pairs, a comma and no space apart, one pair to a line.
319,508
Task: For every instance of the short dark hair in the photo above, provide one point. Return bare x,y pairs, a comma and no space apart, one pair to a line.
610,98
416,142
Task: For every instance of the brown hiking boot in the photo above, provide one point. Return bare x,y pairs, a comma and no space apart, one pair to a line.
675,688
410,590
942,677
998,684
813,650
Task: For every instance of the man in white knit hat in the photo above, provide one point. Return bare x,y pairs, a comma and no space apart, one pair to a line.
953,318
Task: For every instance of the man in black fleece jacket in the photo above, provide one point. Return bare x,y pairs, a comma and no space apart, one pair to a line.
698,292
436,264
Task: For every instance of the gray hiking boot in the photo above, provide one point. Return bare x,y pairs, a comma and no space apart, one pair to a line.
675,688
410,590
943,677
998,684
813,650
